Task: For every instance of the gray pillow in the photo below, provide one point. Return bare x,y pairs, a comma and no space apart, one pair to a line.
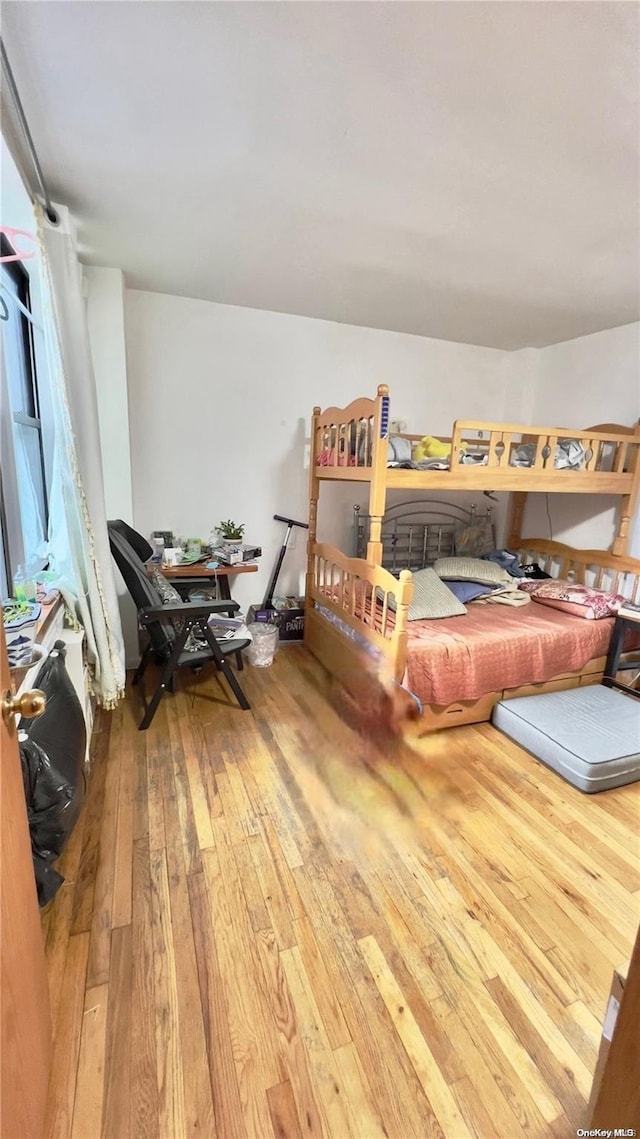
432,599
473,569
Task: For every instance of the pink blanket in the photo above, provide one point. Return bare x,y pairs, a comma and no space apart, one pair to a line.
494,647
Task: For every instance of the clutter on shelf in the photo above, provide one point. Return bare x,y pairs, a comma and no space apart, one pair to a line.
233,555
20,619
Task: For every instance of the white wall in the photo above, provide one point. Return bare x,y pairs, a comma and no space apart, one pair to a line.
594,379
220,401
522,377
105,318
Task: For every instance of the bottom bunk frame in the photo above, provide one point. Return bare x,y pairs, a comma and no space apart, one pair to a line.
372,689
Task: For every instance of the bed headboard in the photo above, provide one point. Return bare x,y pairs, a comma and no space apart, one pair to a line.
598,568
418,532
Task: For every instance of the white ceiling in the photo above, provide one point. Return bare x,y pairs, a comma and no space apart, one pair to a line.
460,170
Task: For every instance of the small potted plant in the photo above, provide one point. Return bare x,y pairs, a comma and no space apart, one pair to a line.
231,533
20,620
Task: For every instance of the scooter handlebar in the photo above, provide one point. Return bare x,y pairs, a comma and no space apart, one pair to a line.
291,522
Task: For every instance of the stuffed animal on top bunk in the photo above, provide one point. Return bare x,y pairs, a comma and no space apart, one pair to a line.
432,452
430,448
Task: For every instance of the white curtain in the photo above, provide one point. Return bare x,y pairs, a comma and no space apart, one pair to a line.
78,540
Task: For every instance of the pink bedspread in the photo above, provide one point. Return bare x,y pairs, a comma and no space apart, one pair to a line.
494,647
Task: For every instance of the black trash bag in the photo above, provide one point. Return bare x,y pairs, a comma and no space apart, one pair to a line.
49,803
52,750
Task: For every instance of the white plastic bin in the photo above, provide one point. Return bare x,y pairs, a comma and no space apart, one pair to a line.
264,644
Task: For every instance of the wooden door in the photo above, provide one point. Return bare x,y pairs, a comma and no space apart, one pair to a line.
618,1101
25,1024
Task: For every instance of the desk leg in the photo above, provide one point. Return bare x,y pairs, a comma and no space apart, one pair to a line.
224,587
225,594
613,656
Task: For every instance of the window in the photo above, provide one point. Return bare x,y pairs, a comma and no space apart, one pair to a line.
5,571
23,492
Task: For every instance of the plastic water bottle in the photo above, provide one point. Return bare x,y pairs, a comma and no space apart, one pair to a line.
24,586
158,549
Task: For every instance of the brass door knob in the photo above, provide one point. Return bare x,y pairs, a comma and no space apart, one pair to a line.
29,704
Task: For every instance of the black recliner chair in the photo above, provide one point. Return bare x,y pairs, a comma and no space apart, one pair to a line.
167,640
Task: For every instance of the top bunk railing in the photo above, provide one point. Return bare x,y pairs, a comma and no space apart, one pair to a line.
352,443
547,448
354,436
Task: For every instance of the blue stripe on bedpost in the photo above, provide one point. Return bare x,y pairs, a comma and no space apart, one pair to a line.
384,417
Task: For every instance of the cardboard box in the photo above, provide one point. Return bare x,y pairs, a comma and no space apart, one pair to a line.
289,618
608,1029
291,622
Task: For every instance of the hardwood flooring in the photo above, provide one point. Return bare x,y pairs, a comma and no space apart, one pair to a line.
274,928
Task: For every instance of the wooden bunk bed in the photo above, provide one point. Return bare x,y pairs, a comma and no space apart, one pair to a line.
351,444
357,611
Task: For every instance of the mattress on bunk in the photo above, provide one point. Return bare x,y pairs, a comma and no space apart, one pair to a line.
494,647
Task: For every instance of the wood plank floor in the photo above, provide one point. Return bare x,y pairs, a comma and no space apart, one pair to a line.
273,928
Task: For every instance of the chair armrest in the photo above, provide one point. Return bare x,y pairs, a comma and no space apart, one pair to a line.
185,609
238,645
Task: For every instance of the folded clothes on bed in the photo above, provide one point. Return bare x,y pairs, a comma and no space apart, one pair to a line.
511,597
438,464
569,455
468,591
507,560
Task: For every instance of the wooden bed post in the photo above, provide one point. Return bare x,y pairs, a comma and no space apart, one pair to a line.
377,486
314,493
400,632
628,504
514,519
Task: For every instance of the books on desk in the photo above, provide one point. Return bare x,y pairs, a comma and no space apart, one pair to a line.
629,610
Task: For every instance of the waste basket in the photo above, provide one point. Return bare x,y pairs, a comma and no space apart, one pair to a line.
262,649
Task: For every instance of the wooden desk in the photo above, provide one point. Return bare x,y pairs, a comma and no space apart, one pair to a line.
190,577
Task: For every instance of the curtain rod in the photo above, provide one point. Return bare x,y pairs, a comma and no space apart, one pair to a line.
11,83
